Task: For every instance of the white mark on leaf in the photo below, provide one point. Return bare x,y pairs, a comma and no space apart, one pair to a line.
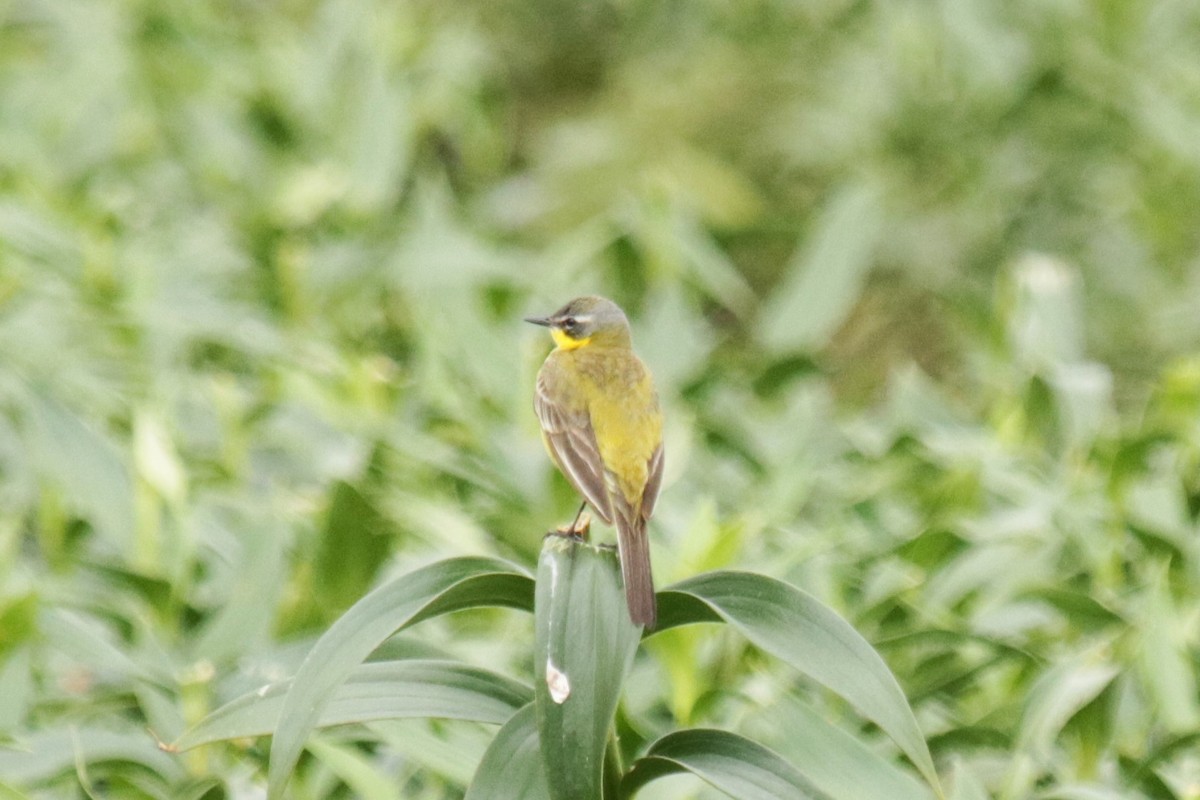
557,682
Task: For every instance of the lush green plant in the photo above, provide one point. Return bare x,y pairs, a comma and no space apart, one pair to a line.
584,649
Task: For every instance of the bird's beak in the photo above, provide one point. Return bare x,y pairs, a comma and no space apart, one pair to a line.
545,322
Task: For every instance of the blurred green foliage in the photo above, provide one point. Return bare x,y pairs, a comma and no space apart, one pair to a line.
919,281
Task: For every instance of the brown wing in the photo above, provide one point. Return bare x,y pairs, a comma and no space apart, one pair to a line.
653,483
572,443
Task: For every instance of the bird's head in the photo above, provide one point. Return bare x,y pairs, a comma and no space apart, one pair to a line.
587,320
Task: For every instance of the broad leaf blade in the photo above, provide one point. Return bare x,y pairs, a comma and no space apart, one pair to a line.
511,768
439,588
836,762
735,765
796,628
585,646
50,753
375,691
826,275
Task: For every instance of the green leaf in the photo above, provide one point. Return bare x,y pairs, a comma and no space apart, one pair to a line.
796,628
353,545
585,646
17,693
451,752
439,588
48,754
735,765
1057,697
374,691
836,762
85,464
826,275
1046,320
512,768
18,621
245,616
1163,659
9,793
363,777
967,786
87,641
1083,792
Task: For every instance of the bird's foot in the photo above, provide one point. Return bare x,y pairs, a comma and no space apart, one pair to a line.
578,531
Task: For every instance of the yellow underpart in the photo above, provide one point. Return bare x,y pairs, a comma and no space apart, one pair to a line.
614,389
566,342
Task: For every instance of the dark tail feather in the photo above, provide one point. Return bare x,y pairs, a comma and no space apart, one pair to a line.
634,546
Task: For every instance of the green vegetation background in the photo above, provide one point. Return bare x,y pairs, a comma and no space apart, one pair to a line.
920,282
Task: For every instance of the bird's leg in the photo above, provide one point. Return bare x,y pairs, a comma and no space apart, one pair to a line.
579,528
581,525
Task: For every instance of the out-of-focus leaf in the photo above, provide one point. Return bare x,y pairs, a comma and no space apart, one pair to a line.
353,545
17,693
1084,609
156,458
735,765
439,588
585,646
1166,668
835,762
1079,792
511,768
18,617
966,783
32,233
1157,504
1145,769
825,276
244,616
363,778
85,641
1046,320
803,633
84,465
1084,396
1057,697
49,753
375,690
9,793
449,751
710,266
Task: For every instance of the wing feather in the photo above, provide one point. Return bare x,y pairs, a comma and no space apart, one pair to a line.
653,483
572,442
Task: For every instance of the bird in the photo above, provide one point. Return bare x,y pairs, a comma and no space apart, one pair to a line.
602,426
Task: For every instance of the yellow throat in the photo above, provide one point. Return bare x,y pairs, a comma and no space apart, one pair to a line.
565,342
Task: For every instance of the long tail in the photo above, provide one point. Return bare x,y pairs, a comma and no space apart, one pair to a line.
634,547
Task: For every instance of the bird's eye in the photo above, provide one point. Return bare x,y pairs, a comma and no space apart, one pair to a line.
570,324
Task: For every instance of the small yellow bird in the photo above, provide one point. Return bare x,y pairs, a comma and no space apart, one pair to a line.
602,426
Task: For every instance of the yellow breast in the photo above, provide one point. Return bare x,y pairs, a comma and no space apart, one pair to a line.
623,406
